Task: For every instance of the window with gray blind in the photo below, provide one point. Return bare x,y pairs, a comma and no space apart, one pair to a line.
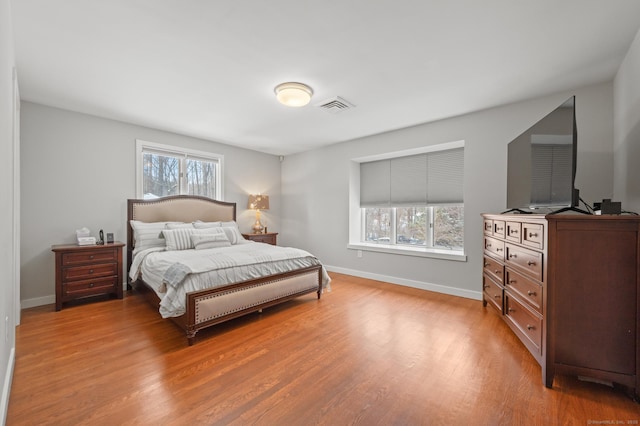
432,178
551,173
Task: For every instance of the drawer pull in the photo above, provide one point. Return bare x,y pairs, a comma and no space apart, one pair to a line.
486,264
530,327
488,244
91,285
91,257
512,281
499,229
497,271
511,310
497,296
499,249
513,231
531,293
91,271
512,256
531,263
532,234
486,286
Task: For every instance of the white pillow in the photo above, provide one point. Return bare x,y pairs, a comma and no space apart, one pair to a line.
198,224
178,225
206,241
180,239
147,234
232,231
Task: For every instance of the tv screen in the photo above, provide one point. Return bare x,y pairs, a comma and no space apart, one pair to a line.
541,162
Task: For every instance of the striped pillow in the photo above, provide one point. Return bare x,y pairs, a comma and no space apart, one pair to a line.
180,239
205,241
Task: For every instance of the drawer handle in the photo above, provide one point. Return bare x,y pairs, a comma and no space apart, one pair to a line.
486,286
91,257
512,256
497,271
91,271
530,327
499,249
532,234
531,293
488,244
513,231
486,264
497,296
512,281
91,285
499,229
531,263
511,310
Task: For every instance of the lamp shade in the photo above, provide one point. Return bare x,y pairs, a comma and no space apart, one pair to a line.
258,202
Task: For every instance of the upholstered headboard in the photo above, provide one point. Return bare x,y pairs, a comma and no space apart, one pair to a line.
177,208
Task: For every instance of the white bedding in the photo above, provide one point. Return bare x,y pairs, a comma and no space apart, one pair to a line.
215,267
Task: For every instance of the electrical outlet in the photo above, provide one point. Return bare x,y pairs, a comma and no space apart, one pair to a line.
359,254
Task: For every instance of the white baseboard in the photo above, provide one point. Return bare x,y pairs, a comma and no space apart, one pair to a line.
6,388
453,291
37,301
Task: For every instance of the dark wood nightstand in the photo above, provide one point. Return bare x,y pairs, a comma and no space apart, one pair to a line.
83,271
269,238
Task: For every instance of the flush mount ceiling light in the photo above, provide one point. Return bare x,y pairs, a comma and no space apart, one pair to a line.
293,94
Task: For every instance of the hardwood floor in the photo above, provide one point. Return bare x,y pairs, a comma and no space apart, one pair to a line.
366,353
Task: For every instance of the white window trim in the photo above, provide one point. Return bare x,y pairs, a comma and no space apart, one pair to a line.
356,223
179,151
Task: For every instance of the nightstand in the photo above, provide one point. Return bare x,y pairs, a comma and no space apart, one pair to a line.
83,271
269,237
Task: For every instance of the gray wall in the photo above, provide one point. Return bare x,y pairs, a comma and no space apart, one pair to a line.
315,185
79,170
627,130
8,256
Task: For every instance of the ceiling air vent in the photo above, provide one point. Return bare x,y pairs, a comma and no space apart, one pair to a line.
335,105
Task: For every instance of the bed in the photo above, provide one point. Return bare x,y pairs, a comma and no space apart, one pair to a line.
186,255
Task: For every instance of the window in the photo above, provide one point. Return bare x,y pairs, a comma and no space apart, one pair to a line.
411,202
165,170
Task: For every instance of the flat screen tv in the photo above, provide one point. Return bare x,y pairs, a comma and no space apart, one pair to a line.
541,163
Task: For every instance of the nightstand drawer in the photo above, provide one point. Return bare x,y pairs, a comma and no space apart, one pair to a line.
90,271
94,256
90,287
268,238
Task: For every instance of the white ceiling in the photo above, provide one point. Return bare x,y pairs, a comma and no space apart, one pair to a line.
207,68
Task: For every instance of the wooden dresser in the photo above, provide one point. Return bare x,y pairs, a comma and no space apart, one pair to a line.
569,288
83,271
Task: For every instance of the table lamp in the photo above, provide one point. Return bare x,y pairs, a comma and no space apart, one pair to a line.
257,203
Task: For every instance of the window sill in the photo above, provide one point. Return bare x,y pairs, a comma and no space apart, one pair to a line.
410,251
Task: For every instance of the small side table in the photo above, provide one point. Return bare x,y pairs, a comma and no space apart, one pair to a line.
83,271
269,238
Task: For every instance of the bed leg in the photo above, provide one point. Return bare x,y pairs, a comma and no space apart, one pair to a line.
191,337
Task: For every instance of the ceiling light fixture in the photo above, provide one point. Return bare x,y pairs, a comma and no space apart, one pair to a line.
293,94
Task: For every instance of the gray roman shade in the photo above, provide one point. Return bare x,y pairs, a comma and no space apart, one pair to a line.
417,180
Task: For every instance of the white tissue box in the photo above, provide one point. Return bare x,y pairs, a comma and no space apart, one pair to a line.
86,241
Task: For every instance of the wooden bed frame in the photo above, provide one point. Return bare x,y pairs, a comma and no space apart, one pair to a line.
210,307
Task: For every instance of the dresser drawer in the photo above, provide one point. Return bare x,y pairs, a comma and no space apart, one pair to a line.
89,271
529,324
90,287
494,247
492,292
488,227
524,260
528,290
93,256
494,268
498,228
514,229
533,235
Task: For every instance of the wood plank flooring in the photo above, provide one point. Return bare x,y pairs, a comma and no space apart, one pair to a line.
367,353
